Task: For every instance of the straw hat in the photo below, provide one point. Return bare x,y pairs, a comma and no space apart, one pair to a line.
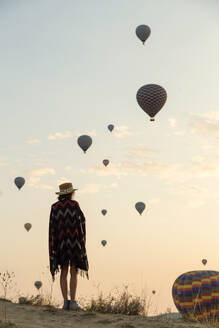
65,188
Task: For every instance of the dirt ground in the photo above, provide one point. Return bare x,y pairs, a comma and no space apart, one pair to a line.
32,316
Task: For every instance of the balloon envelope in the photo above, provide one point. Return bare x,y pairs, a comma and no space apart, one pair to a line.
140,206
105,162
38,284
143,32
195,294
151,98
153,291
22,300
204,261
111,127
104,212
103,242
19,182
84,142
27,226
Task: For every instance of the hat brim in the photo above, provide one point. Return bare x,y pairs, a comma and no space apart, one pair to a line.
65,193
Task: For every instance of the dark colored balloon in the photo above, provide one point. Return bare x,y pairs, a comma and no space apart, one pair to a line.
84,142
19,182
104,212
143,32
204,261
151,98
103,242
27,226
153,291
140,206
111,127
22,300
196,294
38,284
105,162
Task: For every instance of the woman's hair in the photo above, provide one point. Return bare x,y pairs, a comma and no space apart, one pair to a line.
66,196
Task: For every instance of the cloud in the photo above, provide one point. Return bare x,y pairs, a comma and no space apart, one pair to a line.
172,122
90,189
62,180
46,187
59,135
33,141
68,168
3,163
205,124
195,203
154,200
89,133
172,173
35,175
212,116
182,179
205,167
101,171
114,185
140,151
180,132
194,196
122,131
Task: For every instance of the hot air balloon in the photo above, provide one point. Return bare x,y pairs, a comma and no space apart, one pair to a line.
153,291
143,32
105,162
22,300
104,212
111,127
27,226
195,295
38,284
103,242
204,261
19,182
140,206
84,142
151,98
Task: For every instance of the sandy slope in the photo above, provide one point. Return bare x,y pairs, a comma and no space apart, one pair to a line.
32,316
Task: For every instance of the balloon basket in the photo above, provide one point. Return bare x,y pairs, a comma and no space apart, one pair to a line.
152,119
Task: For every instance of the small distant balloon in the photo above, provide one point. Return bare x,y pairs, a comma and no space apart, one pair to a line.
84,142
19,182
103,242
22,300
140,206
104,212
38,284
153,291
151,98
105,162
143,32
27,226
111,127
204,261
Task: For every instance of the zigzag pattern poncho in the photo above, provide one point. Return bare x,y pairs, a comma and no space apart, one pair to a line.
67,237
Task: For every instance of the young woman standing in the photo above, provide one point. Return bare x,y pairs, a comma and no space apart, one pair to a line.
67,243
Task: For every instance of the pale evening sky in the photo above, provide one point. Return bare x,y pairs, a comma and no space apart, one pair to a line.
71,68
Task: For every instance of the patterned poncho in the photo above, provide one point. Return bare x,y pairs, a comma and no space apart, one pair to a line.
67,237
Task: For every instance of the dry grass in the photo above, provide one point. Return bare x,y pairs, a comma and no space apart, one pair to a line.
123,303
